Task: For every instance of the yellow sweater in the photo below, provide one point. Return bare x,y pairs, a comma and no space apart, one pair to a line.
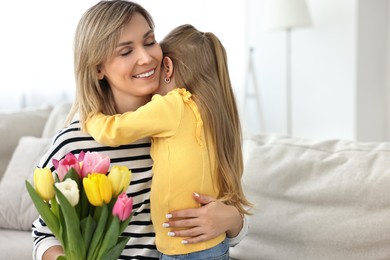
183,163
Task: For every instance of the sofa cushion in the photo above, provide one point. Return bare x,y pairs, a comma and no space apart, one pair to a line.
56,120
316,199
16,208
15,245
17,124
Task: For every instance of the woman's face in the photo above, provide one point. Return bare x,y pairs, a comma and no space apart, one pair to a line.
134,70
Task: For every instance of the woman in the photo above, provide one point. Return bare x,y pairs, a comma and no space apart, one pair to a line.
107,37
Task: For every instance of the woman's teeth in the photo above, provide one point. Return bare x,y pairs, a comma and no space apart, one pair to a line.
145,75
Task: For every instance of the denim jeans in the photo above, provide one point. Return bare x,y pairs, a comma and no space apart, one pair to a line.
219,252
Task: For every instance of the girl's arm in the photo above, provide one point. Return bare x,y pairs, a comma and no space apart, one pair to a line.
158,118
209,221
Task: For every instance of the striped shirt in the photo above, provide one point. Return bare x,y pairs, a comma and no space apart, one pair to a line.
137,158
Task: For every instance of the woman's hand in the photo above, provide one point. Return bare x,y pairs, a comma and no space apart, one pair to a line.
53,252
206,222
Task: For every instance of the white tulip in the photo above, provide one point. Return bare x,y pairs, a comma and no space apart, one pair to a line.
70,190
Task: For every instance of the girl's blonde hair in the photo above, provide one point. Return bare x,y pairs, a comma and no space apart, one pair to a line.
96,38
200,65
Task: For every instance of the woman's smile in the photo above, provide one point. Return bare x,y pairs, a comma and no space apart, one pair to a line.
146,74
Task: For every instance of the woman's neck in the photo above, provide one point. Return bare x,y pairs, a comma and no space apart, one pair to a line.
131,103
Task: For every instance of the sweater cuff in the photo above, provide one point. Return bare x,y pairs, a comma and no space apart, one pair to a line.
44,245
233,241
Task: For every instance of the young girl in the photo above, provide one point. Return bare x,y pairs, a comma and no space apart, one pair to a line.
196,136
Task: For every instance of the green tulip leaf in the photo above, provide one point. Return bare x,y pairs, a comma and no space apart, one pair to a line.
110,238
56,179
55,208
85,207
88,226
117,250
101,215
75,246
125,223
44,210
63,235
72,173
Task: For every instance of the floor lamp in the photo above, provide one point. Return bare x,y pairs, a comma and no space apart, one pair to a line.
253,95
287,15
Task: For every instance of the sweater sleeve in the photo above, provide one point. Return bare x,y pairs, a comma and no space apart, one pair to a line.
233,241
159,118
43,239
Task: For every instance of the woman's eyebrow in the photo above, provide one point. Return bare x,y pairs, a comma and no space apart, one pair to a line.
131,42
148,33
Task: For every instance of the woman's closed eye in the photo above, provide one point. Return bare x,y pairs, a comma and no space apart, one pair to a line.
150,43
126,52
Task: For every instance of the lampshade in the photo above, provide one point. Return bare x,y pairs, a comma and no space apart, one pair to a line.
285,14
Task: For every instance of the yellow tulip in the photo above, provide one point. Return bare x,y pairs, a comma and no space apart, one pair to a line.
98,189
44,183
119,177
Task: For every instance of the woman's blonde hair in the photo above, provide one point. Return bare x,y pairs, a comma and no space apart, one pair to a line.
96,38
200,65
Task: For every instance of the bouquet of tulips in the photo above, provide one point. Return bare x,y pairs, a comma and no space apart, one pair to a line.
84,204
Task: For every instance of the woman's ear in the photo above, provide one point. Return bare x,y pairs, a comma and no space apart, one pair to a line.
168,67
100,73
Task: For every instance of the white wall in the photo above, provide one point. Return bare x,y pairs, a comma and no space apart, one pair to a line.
322,70
338,70
37,40
36,51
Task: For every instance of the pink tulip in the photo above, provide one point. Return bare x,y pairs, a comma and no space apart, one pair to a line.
81,156
123,206
94,163
63,166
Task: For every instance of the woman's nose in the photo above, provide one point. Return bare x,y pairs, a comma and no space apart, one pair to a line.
143,56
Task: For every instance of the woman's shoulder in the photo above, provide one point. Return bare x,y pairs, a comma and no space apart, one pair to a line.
73,130
65,141
71,139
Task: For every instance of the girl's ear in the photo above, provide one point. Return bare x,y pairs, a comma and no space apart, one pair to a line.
168,67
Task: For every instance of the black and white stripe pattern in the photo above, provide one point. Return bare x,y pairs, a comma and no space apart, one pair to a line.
135,156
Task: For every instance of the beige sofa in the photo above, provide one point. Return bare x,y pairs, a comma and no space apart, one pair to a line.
324,199
25,136
314,199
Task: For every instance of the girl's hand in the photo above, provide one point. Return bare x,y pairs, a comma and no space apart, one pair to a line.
206,222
